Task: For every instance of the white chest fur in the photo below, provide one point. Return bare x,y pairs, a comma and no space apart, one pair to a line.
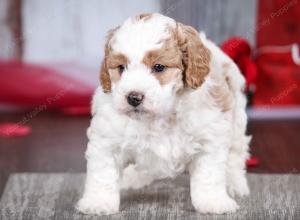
162,146
157,147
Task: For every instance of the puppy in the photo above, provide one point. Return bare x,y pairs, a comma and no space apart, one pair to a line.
170,100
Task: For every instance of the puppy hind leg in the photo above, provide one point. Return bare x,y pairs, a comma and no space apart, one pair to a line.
236,168
208,184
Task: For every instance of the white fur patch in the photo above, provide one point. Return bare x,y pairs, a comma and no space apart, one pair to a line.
135,37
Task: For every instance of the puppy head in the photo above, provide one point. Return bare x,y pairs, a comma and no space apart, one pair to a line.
148,61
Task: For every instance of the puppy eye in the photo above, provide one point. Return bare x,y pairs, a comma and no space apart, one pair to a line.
158,68
121,68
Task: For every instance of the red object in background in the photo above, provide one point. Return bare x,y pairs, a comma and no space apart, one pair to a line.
14,130
277,40
252,161
77,111
239,50
33,86
278,22
278,83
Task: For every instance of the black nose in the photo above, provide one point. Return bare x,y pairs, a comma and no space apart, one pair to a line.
135,98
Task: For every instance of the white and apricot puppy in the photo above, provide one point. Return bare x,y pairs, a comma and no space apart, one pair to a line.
170,100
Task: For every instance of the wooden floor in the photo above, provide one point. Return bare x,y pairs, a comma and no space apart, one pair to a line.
58,142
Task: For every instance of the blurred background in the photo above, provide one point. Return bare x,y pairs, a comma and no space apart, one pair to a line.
50,53
57,46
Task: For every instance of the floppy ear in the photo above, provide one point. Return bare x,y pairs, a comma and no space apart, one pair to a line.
104,77
196,56
104,74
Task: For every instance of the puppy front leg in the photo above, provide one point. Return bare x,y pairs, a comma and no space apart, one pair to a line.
208,183
101,194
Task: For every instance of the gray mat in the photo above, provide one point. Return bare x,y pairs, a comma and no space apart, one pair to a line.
52,196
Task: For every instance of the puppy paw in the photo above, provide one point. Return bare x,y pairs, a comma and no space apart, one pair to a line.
238,188
215,204
98,206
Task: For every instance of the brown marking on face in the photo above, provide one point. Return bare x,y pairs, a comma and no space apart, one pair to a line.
183,50
168,75
196,57
109,67
114,75
115,60
113,63
170,56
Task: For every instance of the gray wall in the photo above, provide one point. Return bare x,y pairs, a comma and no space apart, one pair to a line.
74,30
220,19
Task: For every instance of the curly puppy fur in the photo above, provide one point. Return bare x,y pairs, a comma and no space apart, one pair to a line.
192,117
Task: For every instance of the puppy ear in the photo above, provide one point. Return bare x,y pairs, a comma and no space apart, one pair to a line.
104,74
104,77
196,56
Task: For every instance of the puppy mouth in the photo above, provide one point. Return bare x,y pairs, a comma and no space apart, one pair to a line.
137,113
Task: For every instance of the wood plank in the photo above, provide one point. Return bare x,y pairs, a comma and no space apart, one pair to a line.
53,196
